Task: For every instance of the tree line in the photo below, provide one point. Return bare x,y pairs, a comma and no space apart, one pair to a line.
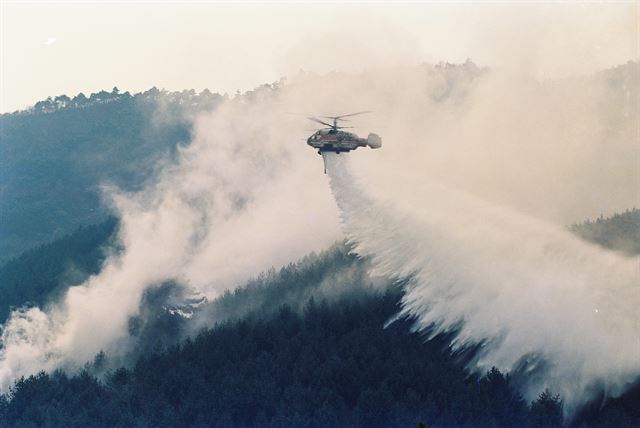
328,365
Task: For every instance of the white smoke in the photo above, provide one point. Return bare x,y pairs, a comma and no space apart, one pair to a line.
243,196
524,289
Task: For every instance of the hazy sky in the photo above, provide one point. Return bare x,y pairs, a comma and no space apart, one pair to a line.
63,48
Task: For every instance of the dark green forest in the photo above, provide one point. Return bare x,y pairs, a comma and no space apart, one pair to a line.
620,232
284,351
43,273
55,157
324,365
331,365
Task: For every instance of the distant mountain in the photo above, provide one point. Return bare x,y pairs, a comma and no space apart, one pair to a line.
55,156
620,232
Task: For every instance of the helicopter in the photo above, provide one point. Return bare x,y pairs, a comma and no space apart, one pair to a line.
333,139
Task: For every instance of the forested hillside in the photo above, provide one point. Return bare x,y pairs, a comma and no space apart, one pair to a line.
55,157
40,273
37,276
331,365
620,232
335,364
304,345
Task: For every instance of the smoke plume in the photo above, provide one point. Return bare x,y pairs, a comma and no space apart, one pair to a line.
224,212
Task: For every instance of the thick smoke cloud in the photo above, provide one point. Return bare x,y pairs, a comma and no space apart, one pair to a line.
493,163
239,200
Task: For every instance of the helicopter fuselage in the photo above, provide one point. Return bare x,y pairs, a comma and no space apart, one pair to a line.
330,140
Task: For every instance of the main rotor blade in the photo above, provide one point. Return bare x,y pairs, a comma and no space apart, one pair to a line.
351,114
335,118
315,119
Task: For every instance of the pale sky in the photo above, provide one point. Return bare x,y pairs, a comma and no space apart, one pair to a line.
51,48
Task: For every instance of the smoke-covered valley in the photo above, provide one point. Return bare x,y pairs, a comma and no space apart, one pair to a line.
466,204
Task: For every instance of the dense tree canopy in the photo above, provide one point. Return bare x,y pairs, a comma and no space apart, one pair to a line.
330,365
41,274
284,352
55,157
620,231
